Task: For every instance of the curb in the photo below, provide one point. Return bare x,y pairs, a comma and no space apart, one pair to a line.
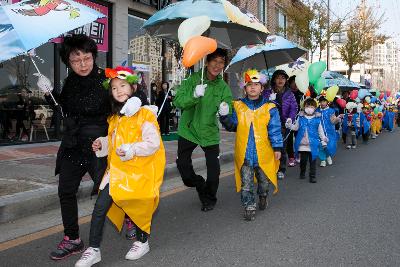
32,202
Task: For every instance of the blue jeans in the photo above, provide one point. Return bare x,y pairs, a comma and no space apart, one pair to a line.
247,174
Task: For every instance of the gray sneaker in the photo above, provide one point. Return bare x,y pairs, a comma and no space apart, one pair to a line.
249,214
281,175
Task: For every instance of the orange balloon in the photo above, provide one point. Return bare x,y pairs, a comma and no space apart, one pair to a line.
308,93
197,48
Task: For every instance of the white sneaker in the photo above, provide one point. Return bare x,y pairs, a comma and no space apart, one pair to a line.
137,250
281,175
323,163
89,257
329,160
348,147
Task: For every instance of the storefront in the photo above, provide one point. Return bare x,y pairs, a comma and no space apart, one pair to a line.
25,116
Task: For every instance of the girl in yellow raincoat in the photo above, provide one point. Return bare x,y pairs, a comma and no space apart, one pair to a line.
136,161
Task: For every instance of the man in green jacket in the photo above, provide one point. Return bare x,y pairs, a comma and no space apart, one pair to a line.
198,125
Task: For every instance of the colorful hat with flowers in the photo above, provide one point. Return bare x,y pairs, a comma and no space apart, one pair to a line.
253,76
120,72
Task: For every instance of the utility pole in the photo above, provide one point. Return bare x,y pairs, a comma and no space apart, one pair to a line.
329,38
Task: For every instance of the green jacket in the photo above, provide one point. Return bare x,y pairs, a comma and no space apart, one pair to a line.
198,122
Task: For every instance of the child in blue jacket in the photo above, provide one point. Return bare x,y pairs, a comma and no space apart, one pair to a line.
310,135
328,119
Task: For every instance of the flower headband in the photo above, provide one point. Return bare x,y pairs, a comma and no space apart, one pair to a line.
120,72
252,75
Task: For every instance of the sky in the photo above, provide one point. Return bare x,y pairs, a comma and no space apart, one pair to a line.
390,9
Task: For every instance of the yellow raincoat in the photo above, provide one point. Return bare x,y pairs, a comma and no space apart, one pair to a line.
266,158
134,184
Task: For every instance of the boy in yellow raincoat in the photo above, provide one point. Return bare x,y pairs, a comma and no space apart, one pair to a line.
258,143
136,161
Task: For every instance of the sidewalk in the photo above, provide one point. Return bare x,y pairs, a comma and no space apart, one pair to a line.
28,185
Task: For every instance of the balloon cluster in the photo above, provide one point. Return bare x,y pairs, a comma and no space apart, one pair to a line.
195,46
306,74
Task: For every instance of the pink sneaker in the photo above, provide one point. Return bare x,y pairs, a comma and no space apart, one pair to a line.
292,162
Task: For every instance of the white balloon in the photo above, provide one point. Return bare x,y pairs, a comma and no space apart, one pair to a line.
192,27
302,81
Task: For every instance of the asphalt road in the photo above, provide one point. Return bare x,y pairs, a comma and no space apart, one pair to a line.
350,217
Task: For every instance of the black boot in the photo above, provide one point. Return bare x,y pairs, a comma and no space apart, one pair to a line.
263,202
313,180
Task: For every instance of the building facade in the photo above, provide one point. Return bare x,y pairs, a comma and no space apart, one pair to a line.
380,69
121,40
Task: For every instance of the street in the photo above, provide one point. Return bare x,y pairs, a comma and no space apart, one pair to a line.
349,217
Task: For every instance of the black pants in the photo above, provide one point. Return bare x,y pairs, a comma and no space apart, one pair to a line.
69,180
163,121
289,145
305,157
207,189
103,204
365,136
282,164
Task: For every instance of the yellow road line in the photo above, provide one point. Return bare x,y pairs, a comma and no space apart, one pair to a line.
59,228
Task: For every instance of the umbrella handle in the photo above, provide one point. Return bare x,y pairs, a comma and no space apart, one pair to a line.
202,71
52,97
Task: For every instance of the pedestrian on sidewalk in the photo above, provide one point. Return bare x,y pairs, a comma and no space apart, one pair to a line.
329,120
136,162
164,114
310,135
198,126
256,123
85,106
283,97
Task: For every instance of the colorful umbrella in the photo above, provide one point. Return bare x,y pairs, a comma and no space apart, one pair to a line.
29,24
231,27
334,78
276,51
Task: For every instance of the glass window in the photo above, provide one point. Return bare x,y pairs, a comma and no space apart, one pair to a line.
262,10
281,25
24,113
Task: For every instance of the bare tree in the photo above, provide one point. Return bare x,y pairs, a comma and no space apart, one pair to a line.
309,22
361,33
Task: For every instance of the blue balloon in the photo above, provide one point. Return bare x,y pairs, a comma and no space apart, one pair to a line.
362,93
380,108
373,99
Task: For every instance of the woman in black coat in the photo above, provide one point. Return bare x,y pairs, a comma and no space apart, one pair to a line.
85,107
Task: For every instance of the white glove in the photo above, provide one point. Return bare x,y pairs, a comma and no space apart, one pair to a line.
288,123
200,90
131,106
272,97
129,152
43,83
223,109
